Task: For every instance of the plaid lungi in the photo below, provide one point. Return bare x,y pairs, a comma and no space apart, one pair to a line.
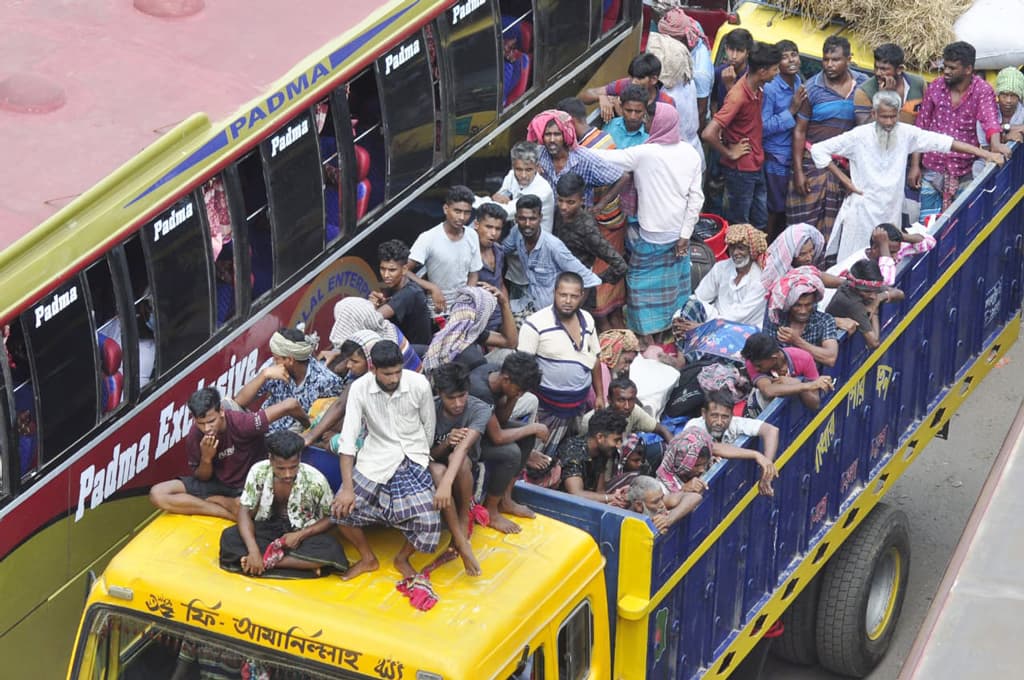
658,283
405,502
819,207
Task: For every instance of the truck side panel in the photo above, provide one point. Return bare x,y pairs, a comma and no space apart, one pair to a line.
723,575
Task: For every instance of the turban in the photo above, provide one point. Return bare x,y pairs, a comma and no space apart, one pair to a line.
614,343
790,288
353,314
300,350
470,311
679,25
783,250
664,125
724,378
540,122
750,236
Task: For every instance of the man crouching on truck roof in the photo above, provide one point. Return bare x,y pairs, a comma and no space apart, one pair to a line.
389,484
283,518
221,447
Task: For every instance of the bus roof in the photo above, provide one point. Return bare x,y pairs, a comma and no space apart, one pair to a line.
87,85
527,578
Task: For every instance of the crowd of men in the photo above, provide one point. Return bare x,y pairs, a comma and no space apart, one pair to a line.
550,288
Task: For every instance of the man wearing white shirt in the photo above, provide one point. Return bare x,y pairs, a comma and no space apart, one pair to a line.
733,286
449,252
525,178
390,484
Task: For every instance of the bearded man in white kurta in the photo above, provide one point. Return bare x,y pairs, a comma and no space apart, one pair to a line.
878,154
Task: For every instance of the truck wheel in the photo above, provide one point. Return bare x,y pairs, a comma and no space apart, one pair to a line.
797,644
862,592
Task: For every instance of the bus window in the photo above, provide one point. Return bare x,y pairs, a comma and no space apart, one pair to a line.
576,643
611,15
368,133
145,321
124,645
406,85
24,398
257,220
295,180
562,36
62,342
108,335
516,49
333,170
222,247
469,42
177,251
5,453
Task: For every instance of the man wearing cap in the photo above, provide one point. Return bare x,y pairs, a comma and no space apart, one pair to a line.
291,374
1009,96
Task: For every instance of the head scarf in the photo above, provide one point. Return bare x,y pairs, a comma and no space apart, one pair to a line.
863,285
1010,80
679,25
779,256
676,64
692,310
366,340
300,350
788,289
535,130
681,456
750,236
353,314
468,315
664,125
614,343
723,377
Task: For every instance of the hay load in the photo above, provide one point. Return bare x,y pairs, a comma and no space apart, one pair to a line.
924,27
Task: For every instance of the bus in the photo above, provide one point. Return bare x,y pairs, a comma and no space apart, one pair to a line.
126,288
970,629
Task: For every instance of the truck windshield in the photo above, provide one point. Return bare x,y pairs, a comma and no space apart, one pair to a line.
129,646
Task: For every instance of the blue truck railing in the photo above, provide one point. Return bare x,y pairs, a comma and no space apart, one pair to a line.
717,581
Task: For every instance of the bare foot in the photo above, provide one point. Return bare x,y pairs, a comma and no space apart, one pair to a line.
469,561
505,526
518,509
361,567
404,567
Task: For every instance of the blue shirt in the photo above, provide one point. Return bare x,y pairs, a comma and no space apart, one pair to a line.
624,139
703,69
320,382
595,171
778,124
549,258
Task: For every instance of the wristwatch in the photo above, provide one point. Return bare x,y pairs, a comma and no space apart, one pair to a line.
1006,128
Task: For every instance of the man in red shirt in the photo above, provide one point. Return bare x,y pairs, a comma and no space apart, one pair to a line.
735,132
221,447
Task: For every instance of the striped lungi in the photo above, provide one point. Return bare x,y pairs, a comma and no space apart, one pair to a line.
405,502
819,207
658,284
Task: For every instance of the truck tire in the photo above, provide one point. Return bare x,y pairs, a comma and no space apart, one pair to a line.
862,590
798,643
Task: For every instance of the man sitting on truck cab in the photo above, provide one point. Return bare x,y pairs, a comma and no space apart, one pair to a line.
461,420
284,518
511,432
389,484
221,447
646,496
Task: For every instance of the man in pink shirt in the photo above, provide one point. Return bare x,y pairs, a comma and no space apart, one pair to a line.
777,372
956,105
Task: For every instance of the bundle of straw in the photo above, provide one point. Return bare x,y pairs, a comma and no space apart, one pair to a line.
921,27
